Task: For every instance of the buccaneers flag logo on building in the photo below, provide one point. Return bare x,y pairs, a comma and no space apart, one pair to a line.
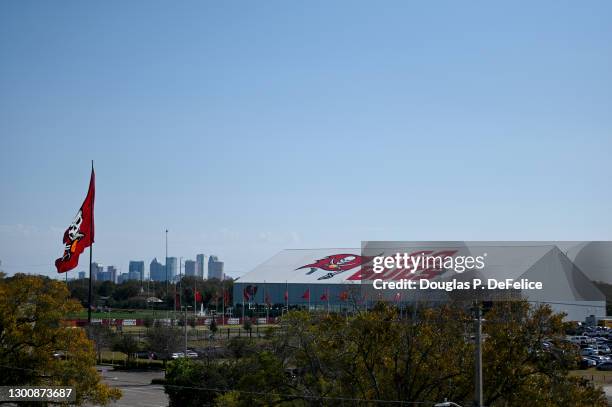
80,233
336,264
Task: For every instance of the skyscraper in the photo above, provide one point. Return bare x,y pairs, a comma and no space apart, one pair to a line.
137,267
215,268
172,266
134,275
200,266
190,268
97,271
111,273
157,271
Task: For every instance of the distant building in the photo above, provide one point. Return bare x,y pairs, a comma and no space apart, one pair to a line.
81,275
137,267
122,278
190,268
200,265
215,268
97,272
172,265
157,271
112,273
134,276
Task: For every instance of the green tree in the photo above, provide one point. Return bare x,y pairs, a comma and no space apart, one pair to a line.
126,344
31,333
213,327
333,360
247,325
102,337
164,340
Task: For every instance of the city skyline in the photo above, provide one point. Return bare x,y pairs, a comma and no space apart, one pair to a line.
137,270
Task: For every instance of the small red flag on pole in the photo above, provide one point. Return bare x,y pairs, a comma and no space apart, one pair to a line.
306,295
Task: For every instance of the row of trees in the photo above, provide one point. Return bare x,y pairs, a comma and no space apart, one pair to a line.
160,339
428,357
36,349
133,294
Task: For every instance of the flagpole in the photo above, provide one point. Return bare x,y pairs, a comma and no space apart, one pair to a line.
90,262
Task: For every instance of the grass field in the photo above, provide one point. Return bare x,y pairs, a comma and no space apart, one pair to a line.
123,314
596,376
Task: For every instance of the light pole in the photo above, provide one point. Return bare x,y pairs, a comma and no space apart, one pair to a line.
478,397
166,266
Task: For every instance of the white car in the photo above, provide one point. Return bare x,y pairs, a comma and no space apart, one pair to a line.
191,354
177,355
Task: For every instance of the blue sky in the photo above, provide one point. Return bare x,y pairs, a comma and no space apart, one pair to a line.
249,127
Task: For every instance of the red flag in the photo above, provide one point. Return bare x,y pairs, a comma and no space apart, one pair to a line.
306,295
226,297
324,296
267,299
177,301
286,295
198,296
397,297
249,292
344,295
80,233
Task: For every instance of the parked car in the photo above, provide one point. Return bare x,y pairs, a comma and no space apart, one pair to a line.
599,359
605,366
586,363
177,355
145,355
192,354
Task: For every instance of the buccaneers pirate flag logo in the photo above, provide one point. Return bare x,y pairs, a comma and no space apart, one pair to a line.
336,264
80,233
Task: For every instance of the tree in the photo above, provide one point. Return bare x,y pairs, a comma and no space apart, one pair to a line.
376,355
247,325
102,337
213,327
164,340
126,344
31,332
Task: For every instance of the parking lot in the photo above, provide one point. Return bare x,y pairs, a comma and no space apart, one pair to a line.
136,387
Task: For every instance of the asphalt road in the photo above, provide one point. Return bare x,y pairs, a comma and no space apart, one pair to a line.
136,387
608,390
